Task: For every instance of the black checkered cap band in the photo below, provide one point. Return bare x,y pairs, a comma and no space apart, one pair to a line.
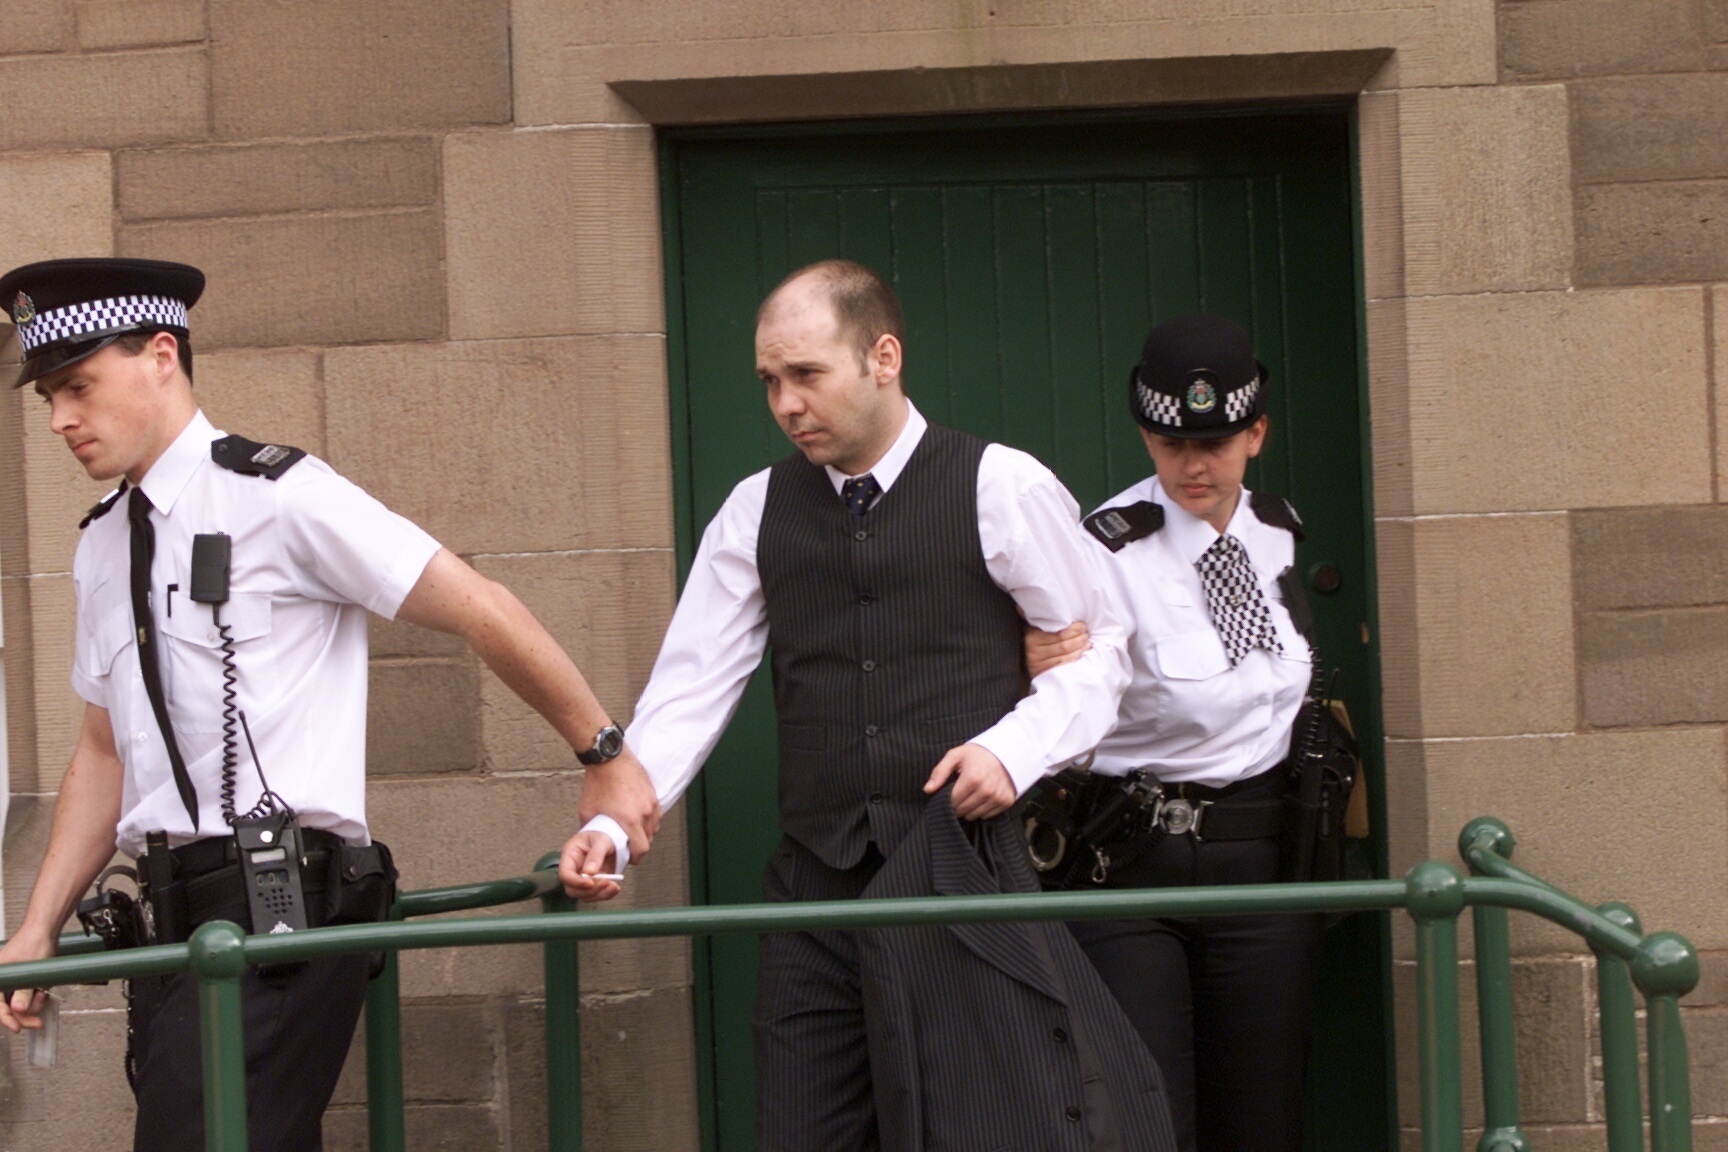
1240,401
1159,408
99,318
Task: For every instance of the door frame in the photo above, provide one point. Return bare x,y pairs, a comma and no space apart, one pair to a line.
687,533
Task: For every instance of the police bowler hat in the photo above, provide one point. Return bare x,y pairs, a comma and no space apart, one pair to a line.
66,310
1197,380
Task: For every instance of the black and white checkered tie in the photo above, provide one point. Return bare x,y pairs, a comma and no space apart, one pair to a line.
1234,599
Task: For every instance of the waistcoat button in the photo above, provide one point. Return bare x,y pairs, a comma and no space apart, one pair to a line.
869,665
871,729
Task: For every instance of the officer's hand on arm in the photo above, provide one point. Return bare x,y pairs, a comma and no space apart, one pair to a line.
452,597
586,854
80,844
982,787
1047,650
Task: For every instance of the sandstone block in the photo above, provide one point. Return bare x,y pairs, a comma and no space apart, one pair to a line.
1382,196
332,279
1542,39
36,26
552,232
83,1101
421,717
1651,558
138,23
77,219
626,1043
1494,646
1400,647
275,396
458,830
59,711
521,446
1550,999
1649,233
1715,13
397,638
1487,189
1719,315
323,67
448,1053
609,610
430,1128
106,101
1707,1048
1633,128
1549,789
1389,400
1545,375
257,179
1664,667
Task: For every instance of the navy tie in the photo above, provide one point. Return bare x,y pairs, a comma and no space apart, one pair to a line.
860,494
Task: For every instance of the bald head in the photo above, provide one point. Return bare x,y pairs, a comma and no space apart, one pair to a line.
864,307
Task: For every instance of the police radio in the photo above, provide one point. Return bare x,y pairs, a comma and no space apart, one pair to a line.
267,838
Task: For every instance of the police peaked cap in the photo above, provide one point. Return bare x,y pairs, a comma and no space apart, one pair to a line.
1197,380
66,310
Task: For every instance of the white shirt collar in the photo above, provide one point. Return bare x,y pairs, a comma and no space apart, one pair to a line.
893,462
1189,534
172,471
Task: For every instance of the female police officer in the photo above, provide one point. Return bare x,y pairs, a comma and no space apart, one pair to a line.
1220,672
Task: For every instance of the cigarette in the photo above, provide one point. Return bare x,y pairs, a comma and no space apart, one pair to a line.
605,875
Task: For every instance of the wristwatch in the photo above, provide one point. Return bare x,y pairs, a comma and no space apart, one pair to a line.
608,742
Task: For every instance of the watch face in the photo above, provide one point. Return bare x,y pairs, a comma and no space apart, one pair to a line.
609,742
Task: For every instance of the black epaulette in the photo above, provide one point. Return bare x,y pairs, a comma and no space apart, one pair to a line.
1278,512
1116,528
102,507
250,458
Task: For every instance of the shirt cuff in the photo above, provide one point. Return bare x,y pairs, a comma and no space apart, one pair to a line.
615,832
1015,752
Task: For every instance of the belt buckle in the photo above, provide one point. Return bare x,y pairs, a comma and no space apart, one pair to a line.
1179,817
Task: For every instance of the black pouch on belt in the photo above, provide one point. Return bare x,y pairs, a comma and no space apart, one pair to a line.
362,884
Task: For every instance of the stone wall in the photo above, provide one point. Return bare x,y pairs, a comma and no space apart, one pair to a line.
434,252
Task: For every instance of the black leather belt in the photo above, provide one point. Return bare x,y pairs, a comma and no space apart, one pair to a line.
208,874
1251,809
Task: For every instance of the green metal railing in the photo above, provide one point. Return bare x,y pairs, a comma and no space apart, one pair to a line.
1662,965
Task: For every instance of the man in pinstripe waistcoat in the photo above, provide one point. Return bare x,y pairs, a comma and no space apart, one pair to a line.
887,565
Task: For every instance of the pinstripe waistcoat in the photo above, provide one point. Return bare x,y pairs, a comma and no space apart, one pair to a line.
891,644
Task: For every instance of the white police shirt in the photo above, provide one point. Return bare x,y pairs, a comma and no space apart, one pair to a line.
312,554
1188,716
1034,549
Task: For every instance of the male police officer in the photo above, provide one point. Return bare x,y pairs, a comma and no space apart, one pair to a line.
228,581
884,563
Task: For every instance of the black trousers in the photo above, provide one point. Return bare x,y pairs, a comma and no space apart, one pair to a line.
813,1086
1223,1003
298,1026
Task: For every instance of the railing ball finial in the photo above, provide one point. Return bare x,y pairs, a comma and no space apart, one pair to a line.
1434,890
1622,916
218,950
1665,965
1486,832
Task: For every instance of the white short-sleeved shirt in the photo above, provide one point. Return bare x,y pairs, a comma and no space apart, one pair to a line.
1188,715
312,554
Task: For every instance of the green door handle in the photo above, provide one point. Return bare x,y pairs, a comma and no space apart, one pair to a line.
1325,578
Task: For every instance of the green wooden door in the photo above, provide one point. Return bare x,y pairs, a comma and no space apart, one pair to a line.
1031,258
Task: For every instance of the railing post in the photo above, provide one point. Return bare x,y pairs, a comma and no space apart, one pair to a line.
1500,1127
386,1128
563,1030
1666,968
1435,895
218,962
1621,1090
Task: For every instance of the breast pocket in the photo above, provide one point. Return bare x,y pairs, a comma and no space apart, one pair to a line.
1192,656
195,647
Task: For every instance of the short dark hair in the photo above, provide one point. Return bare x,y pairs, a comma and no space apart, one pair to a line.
864,304
132,343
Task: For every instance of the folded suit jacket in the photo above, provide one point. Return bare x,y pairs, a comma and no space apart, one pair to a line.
996,1037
